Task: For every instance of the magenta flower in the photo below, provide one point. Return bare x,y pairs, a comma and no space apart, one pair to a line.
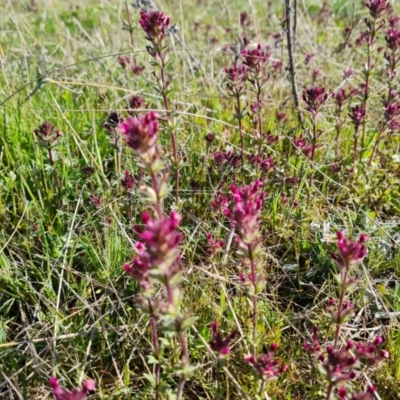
220,202
60,393
393,21
140,266
392,111
124,61
161,241
350,253
268,164
214,244
218,343
315,98
340,97
155,24
47,133
357,115
136,102
237,76
128,181
377,8
141,134
255,59
393,39
371,353
266,365
210,137
247,210
280,116
368,395
338,364
314,346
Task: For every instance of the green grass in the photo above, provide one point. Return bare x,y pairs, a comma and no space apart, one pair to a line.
66,305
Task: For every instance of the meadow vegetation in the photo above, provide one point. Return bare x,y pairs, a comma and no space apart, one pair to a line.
199,199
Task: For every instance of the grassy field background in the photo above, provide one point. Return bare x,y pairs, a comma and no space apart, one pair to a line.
66,305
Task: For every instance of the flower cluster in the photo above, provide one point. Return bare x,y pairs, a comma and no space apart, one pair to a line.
155,24
128,181
245,217
135,103
128,64
47,133
248,202
338,364
220,202
314,97
393,39
266,164
158,250
227,157
60,393
218,343
237,76
368,395
357,115
214,244
267,366
377,8
141,134
301,143
256,60
350,253
340,97
371,353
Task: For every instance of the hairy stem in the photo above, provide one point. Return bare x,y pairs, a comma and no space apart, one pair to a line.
329,392
259,121
56,177
164,86
156,350
154,184
184,361
254,297
340,306
314,144
239,118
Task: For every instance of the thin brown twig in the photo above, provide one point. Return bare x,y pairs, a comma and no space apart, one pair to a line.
290,37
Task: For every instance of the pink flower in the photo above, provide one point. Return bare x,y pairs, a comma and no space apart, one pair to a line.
141,134
377,8
124,61
247,210
219,344
357,115
340,97
314,97
128,181
155,24
60,393
266,365
158,250
237,76
393,39
350,253
255,59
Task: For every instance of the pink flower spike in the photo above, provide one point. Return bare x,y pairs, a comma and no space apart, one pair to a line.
219,344
350,253
155,24
89,385
60,393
